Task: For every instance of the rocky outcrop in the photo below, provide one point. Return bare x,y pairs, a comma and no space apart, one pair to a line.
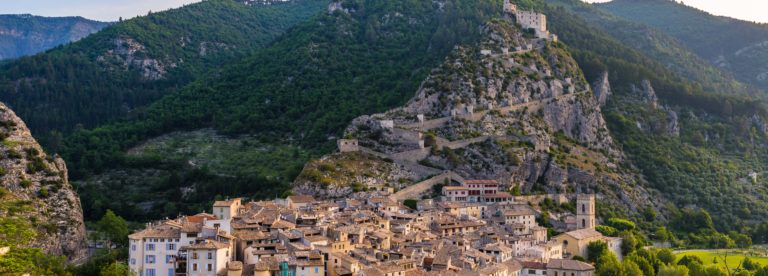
40,180
602,89
672,123
131,54
647,94
511,109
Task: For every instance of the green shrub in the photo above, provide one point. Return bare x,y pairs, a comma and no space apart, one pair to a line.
25,183
621,224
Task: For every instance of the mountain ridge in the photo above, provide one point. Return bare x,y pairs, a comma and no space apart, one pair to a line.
26,34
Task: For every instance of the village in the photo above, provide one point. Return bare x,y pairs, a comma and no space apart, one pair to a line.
467,231
472,227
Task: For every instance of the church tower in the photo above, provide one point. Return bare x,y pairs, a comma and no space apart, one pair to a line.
585,211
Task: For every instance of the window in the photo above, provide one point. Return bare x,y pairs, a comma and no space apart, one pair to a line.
194,267
133,247
150,272
170,272
210,267
583,208
133,261
150,259
317,270
168,259
170,246
210,255
194,255
583,223
150,247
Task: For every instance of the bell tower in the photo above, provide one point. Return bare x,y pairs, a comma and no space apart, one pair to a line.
585,211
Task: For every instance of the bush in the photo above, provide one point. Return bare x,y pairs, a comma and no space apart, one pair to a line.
25,183
607,230
411,203
621,224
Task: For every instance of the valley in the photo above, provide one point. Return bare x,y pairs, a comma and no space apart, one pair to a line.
364,137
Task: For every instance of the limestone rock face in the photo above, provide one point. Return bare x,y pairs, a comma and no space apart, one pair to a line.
673,126
512,109
647,93
602,89
32,175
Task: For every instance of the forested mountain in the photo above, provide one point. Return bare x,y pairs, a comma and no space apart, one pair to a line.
738,46
135,62
695,145
292,98
155,117
25,34
660,47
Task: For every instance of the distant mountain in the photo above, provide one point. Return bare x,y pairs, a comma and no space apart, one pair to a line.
738,46
24,34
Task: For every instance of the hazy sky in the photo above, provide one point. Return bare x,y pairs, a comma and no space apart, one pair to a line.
111,10
105,10
750,10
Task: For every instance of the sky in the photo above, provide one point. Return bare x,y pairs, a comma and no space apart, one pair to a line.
104,10
111,10
750,10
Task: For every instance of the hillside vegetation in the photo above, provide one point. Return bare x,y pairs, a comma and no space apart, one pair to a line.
734,45
131,64
301,90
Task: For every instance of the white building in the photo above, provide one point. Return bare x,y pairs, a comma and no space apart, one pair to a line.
152,250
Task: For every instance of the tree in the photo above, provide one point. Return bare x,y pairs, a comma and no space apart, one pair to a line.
116,269
665,256
411,203
689,259
621,224
748,264
628,243
114,227
668,270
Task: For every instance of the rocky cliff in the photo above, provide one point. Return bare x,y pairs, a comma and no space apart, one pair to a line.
39,182
513,109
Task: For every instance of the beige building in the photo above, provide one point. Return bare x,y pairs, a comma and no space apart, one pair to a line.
575,243
569,268
208,258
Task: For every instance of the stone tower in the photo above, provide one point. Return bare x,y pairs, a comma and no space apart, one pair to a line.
585,211
509,7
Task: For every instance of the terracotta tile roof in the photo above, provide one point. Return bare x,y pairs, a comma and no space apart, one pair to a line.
225,203
163,232
534,265
583,233
301,198
569,265
207,244
481,181
199,218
